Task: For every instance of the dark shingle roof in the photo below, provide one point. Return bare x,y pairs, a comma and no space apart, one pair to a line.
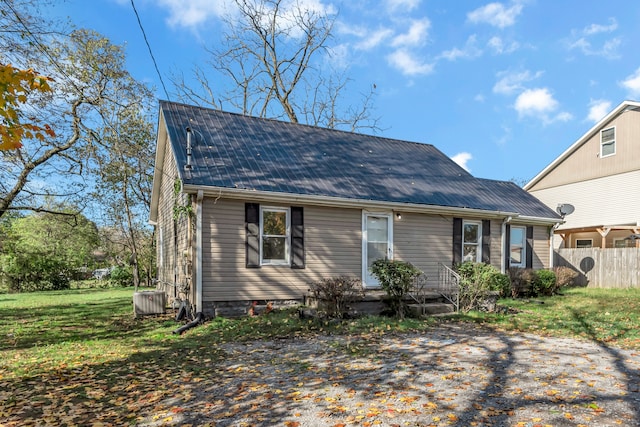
236,151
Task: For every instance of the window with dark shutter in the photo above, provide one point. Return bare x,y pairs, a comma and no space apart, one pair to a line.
252,231
457,241
529,251
297,237
486,241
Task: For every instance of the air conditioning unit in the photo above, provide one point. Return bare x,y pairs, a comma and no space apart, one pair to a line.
149,302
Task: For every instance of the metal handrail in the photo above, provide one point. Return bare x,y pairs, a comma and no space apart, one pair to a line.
449,285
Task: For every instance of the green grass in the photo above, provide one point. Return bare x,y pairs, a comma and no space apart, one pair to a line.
83,348
46,330
610,316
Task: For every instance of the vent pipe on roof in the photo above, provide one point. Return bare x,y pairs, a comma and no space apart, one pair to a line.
187,166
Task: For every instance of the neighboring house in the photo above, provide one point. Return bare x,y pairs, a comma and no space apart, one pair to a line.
250,209
599,175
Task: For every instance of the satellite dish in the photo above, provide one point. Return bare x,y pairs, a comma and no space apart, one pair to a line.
565,209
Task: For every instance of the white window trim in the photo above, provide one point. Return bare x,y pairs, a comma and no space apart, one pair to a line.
590,240
478,243
287,249
615,136
523,261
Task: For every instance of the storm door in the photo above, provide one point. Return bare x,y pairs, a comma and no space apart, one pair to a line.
377,241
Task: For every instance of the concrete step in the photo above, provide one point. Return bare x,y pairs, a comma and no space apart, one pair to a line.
430,309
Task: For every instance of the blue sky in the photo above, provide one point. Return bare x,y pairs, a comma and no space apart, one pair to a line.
502,87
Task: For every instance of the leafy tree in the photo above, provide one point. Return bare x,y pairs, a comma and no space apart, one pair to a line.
90,82
274,62
124,166
15,86
43,251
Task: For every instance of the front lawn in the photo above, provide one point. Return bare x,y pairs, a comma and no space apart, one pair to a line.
610,316
78,357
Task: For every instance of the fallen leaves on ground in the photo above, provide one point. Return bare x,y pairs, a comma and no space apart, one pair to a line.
451,376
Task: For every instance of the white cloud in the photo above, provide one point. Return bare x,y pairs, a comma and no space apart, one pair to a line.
598,28
496,14
511,82
598,108
402,5
416,35
583,40
539,103
499,47
462,159
408,64
470,50
632,83
192,13
373,39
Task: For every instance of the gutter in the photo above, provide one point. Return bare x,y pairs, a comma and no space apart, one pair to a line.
242,194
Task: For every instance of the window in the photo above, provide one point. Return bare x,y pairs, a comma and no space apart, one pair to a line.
471,241
584,243
274,236
608,142
517,247
621,243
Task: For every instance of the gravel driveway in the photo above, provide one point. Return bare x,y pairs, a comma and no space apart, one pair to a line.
456,374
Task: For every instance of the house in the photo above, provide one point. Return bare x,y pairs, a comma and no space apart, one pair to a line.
250,209
598,176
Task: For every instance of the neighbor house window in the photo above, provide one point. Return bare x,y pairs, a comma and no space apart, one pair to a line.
274,235
518,244
471,241
584,243
608,142
620,243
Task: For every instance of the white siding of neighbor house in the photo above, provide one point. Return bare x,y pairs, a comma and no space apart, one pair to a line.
610,200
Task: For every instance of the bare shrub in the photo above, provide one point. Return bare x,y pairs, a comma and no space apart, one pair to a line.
336,293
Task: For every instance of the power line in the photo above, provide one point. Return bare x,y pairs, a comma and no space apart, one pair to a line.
155,64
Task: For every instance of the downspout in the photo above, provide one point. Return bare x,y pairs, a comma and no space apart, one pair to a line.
198,266
503,249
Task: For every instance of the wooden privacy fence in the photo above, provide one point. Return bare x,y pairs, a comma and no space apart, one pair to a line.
602,268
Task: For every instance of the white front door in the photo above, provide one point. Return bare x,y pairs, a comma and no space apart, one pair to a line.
376,243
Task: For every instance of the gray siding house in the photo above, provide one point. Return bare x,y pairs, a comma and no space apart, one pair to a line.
250,209
599,175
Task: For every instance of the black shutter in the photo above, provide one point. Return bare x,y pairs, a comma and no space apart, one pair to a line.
530,247
297,237
486,241
507,253
457,241
252,230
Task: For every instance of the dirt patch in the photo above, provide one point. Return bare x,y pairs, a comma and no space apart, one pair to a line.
455,374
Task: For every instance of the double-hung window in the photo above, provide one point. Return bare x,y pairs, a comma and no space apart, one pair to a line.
608,142
275,236
517,245
472,241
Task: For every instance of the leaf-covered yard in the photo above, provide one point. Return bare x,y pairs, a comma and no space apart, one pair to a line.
79,358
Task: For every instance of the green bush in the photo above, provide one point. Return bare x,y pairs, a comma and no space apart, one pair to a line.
478,282
336,293
121,276
545,283
396,279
